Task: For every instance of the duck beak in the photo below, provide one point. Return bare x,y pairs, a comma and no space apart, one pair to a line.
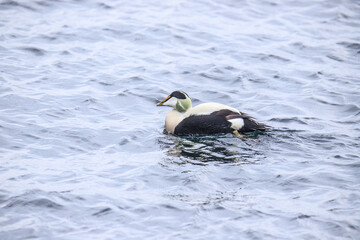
163,101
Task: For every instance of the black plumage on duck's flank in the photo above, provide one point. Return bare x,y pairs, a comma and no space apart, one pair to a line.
203,124
216,122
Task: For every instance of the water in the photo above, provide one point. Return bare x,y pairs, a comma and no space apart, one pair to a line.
83,153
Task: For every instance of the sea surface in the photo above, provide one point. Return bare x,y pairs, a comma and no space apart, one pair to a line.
83,154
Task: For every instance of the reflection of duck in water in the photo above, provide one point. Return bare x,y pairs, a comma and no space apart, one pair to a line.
202,149
206,118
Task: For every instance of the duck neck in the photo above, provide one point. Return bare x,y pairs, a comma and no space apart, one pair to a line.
183,105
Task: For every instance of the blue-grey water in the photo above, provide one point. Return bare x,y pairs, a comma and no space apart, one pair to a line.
83,153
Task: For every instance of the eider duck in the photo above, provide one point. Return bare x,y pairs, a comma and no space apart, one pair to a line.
206,118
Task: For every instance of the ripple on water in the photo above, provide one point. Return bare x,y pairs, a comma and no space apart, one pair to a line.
35,51
33,199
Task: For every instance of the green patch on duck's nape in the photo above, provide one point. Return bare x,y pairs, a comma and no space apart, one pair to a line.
183,105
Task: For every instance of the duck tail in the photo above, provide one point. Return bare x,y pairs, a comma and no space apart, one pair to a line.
251,125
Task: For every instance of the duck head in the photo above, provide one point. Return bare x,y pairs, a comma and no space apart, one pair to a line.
178,100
